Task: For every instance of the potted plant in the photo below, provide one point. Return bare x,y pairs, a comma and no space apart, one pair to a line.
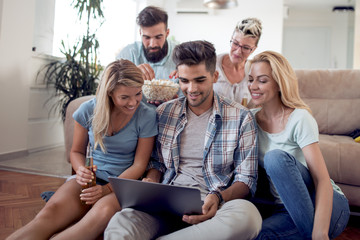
78,72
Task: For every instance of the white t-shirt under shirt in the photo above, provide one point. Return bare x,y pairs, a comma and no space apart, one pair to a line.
191,152
224,87
301,130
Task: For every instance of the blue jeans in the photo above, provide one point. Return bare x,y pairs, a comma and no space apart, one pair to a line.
295,219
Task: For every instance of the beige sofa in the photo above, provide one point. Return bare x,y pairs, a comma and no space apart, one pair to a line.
334,98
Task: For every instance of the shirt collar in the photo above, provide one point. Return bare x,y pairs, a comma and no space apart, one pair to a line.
216,107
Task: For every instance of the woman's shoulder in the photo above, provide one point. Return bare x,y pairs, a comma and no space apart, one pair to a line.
220,56
302,117
87,106
300,113
146,111
89,103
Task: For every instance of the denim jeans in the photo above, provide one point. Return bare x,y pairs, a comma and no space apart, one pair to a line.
295,218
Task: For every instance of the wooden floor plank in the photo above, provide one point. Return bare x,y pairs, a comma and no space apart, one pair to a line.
20,198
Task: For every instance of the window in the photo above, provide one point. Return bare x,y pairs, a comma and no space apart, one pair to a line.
118,29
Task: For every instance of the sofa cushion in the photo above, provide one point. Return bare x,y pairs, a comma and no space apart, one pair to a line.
334,98
341,154
352,193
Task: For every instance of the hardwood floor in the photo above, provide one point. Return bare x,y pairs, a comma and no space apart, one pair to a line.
20,198
20,201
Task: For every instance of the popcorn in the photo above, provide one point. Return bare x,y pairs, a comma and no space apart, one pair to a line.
159,89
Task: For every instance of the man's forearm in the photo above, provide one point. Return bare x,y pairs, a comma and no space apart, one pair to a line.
154,175
235,191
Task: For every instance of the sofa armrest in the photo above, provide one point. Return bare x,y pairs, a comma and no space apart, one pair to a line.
69,122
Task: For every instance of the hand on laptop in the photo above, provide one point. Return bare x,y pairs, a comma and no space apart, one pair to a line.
209,208
148,180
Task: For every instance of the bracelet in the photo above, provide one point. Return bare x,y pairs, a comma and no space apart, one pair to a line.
218,194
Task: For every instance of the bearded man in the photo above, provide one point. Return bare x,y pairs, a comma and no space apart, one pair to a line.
153,54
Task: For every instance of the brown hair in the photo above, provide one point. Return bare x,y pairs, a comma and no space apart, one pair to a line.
195,52
151,16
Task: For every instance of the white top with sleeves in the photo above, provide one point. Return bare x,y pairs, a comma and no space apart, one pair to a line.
224,87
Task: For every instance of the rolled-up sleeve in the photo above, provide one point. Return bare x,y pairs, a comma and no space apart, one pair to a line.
246,155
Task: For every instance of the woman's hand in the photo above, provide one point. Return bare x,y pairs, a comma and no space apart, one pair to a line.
92,194
174,74
84,175
209,209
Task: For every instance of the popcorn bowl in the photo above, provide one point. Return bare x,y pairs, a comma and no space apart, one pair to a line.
159,89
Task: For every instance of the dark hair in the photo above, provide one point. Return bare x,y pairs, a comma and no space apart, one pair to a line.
151,16
194,53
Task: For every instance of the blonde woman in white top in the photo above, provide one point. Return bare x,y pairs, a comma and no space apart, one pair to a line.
232,66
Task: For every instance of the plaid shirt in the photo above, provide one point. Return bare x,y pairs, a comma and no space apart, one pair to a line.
231,144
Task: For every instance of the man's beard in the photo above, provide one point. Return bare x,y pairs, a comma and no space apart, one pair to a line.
156,56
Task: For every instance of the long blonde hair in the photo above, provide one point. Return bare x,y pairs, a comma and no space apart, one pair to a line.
120,72
284,75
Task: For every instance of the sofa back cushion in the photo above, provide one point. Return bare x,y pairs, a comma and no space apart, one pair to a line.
334,98
70,122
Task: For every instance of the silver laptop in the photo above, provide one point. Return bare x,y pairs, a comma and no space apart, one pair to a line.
156,198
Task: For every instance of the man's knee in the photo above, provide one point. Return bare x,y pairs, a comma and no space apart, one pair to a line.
245,220
131,224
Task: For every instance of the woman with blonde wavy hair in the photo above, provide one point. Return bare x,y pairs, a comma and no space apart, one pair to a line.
302,201
120,130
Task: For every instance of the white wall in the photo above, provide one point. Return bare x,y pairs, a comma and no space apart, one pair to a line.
356,58
23,124
218,26
15,57
44,26
319,38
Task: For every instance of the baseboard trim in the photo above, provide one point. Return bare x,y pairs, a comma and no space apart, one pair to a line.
45,148
24,153
34,172
11,155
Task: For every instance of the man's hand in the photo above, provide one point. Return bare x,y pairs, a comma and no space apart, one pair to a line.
147,71
157,103
209,210
149,180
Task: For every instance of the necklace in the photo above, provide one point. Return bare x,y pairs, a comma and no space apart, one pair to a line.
115,130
